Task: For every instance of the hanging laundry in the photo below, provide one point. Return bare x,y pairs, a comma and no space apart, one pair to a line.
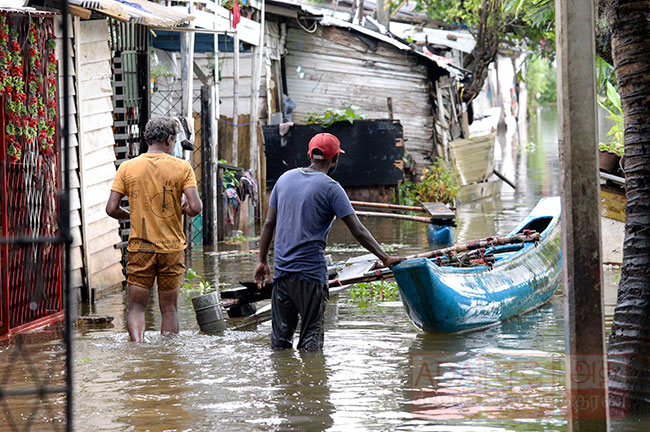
248,187
232,204
236,14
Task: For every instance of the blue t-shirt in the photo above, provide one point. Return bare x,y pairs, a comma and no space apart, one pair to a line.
305,202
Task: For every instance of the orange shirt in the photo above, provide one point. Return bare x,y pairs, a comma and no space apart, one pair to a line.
154,184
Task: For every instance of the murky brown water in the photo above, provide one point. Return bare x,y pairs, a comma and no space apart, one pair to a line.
377,371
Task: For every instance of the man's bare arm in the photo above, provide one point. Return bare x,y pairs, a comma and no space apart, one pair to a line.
365,239
262,271
113,208
192,205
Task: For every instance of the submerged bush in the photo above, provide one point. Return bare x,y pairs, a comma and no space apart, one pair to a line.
364,294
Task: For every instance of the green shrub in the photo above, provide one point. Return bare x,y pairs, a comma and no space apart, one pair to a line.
439,184
331,116
612,104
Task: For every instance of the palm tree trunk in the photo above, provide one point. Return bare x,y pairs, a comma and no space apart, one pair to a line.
629,343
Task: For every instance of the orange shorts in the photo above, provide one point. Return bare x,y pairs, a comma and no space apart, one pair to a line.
143,267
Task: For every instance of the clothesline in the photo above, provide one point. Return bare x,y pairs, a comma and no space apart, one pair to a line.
235,124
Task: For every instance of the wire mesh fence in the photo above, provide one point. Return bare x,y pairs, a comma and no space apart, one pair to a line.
36,380
167,102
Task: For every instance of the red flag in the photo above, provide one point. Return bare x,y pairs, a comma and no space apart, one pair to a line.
236,14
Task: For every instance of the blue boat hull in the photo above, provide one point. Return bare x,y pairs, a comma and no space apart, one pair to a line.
440,235
450,299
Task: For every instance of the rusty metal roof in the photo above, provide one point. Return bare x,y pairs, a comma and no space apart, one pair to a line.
138,11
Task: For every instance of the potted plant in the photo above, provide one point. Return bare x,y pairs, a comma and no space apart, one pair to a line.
612,152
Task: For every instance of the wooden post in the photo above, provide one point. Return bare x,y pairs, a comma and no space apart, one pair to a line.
215,116
207,168
187,85
443,122
235,101
583,301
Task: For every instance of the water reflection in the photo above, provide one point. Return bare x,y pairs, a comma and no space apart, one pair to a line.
500,376
301,395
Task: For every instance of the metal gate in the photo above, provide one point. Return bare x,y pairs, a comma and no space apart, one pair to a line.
130,47
35,226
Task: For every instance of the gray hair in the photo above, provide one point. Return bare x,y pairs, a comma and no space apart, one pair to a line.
158,129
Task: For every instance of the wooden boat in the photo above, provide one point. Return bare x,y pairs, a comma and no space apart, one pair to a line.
445,299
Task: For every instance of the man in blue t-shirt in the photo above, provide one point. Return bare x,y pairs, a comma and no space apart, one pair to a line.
303,204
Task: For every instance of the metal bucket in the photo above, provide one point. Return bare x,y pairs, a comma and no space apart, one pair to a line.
208,313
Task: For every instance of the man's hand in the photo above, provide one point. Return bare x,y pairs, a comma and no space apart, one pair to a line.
262,274
391,261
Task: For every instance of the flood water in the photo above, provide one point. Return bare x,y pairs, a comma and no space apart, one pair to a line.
377,372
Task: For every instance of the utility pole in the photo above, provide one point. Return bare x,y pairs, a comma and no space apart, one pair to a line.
383,12
254,157
586,362
235,101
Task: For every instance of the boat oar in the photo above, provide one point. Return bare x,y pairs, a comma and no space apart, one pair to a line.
422,219
387,206
505,179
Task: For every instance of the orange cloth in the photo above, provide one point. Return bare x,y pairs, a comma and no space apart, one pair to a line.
154,184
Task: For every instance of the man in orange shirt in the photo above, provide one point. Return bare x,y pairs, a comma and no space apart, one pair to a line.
160,188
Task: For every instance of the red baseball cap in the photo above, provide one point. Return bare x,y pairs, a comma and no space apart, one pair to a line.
327,143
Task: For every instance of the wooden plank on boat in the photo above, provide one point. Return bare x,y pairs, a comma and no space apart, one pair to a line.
438,210
355,267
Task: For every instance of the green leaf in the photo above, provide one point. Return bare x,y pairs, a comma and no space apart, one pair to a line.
614,97
190,274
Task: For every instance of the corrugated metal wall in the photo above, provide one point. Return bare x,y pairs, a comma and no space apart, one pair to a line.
340,67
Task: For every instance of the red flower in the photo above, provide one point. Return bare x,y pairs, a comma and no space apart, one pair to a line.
51,58
46,150
8,89
15,46
41,112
